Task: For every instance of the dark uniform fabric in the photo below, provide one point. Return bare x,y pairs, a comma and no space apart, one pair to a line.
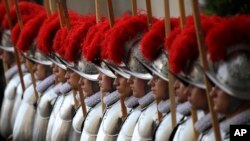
2,87
2,82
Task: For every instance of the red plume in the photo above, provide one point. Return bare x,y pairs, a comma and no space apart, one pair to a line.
30,31
75,37
185,49
26,8
227,34
2,11
152,42
91,52
58,41
15,32
122,32
47,33
170,38
92,44
177,30
105,51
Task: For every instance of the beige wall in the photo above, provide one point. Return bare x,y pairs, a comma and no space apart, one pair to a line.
88,6
120,6
158,7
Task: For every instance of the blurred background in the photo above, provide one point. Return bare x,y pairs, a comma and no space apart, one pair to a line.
121,6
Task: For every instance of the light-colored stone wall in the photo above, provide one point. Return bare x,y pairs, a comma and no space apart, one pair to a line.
120,6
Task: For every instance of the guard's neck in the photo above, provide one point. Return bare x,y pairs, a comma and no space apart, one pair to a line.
243,107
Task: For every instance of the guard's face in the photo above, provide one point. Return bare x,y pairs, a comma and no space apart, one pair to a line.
137,86
73,79
180,91
197,97
87,86
159,88
60,75
54,68
55,71
221,100
40,72
8,57
122,85
30,65
22,59
105,83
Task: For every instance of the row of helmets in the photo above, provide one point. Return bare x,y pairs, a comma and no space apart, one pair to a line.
124,46
129,48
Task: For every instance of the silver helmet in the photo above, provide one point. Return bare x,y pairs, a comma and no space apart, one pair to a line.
119,69
232,75
158,66
36,56
134,59
105,69
6,43
55,60
86,69
193,76
82,67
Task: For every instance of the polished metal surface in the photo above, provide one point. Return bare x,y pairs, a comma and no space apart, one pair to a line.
146,124
8,105
111,123
23,126
77,124
63,121
43,113
128,126
92,124
18,98
55,111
